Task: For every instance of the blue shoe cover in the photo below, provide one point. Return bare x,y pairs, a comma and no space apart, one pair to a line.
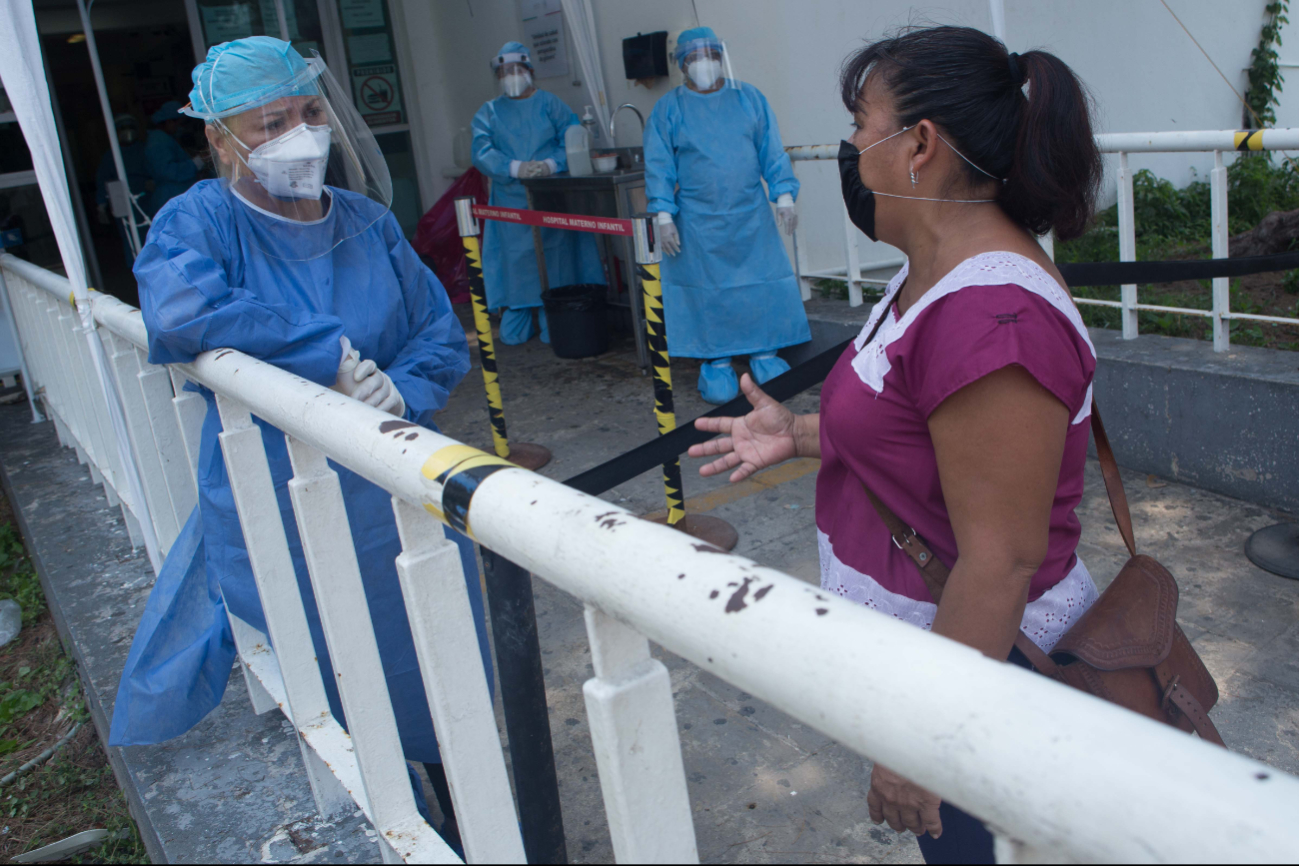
516,326
718,383
545,326
766,366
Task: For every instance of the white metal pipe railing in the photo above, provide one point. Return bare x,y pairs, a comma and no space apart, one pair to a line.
1056,772
1217,142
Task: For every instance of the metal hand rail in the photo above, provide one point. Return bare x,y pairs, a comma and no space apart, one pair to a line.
1058,773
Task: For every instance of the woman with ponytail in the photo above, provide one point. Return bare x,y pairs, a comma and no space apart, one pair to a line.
962,405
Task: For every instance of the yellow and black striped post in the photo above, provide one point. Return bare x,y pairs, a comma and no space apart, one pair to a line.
526,454
711,529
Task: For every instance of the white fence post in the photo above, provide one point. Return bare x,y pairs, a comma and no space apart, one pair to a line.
190,410
853,271
637,749
123,358
358,670
1127,248
277,586
446,641
1221,285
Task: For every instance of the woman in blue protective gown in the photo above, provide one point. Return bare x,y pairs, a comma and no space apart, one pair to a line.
520,134
728,288
297,261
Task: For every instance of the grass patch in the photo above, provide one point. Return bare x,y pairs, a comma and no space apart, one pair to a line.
41,701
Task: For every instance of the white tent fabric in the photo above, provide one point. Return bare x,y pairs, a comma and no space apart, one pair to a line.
23,73
581,26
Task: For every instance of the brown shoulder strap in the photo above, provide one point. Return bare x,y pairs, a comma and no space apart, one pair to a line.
1113,481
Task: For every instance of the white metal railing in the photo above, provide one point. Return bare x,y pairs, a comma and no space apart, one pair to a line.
1059,774
1123,143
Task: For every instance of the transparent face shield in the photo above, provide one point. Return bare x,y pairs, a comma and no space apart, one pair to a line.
305,162
706,64
514,79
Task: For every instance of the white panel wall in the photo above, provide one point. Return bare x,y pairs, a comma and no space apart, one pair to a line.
1142,69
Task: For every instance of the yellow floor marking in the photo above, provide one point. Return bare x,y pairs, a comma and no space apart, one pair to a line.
767,479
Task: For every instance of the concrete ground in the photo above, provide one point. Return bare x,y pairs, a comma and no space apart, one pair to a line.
763,787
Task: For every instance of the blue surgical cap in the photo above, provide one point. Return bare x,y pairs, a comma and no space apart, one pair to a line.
248,73
512,52
170,111
688,40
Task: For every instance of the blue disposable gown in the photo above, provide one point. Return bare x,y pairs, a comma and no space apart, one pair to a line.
206,282
171,168
526,129
730,291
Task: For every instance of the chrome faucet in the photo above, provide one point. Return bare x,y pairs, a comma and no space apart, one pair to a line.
613,142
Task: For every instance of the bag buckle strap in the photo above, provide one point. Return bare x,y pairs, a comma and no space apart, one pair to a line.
912,546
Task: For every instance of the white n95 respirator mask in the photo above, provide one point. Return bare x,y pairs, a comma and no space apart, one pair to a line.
705,72
293,165
515,84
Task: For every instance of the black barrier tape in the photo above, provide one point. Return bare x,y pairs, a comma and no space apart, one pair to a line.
458,489
666,448
1126,273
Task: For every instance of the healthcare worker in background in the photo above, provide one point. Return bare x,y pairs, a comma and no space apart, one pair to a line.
293,257
172,169
520,134
728,288
134,160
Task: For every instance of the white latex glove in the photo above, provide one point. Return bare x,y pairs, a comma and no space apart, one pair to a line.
788,219
669,240
785,213
377,390
346,382
534,168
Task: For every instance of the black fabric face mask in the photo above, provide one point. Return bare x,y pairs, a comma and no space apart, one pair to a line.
859,200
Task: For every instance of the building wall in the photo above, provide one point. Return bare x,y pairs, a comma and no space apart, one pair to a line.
1143,70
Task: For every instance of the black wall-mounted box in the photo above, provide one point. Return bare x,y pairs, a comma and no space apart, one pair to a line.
645,55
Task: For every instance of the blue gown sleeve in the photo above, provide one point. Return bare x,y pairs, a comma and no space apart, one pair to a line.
486,157
167,160
190,306
660,160
777,169
436,357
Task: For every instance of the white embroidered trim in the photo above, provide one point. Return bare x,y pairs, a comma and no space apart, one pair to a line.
986,269
1045,620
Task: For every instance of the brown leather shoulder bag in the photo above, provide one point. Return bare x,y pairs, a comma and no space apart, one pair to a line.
1127,648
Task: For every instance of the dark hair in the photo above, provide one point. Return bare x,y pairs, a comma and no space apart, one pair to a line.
963,81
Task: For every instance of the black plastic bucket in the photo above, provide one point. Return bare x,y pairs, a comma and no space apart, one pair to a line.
576,315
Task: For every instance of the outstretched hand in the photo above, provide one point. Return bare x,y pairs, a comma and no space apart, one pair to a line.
764,437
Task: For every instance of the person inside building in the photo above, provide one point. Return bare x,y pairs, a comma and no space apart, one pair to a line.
171,169
961,412
728,288
291,256
520,134
132,149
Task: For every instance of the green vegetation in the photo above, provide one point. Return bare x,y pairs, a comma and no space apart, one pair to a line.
1265,78
1174,223
40,700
